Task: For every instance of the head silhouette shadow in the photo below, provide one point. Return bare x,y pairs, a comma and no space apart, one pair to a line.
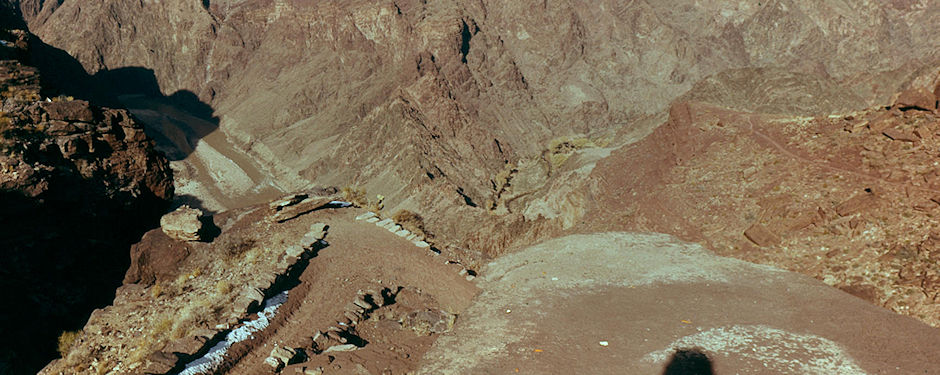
126,87
689,361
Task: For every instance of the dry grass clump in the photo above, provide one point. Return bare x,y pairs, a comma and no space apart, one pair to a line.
359,198
238,244
223,287
66,340
193,307
156,290
20,93
411,221
355,195
5,122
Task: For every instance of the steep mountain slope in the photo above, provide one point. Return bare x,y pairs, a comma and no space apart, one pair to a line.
426,103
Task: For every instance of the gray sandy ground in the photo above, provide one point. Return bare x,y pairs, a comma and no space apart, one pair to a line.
547,309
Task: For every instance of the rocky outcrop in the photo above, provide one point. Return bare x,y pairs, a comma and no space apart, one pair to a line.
79,184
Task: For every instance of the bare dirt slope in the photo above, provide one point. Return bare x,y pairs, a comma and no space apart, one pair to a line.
630,301
849,198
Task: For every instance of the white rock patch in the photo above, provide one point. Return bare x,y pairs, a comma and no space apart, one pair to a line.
779,350
213,359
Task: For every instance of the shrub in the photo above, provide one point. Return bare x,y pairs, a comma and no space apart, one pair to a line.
356,196
359,198
223,287
411,221
238,244
6,122
156,290
66,341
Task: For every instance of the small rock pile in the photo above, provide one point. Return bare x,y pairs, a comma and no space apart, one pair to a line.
371,217
420,242
342,336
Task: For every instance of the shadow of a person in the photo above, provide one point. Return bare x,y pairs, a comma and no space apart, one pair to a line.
691,361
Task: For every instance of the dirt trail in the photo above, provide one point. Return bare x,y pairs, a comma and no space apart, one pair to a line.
360,256
208,170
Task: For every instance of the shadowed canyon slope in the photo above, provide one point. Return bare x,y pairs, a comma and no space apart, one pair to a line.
78,185
427,103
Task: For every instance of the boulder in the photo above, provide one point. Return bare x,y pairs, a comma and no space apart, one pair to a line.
900,135
918,98
308,240
362,303
281,356
340,348
317,232
761,235
69,110
248,298
302,369
156,258
289,200
294,251
182,224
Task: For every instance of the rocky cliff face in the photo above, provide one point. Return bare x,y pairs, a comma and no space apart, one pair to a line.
427,103
79,184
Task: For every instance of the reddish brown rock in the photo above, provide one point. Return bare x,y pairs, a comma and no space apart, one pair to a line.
865,292
760,235
802,220
900,135
884,121
74,198
855,204
69,110
918,98
156,257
